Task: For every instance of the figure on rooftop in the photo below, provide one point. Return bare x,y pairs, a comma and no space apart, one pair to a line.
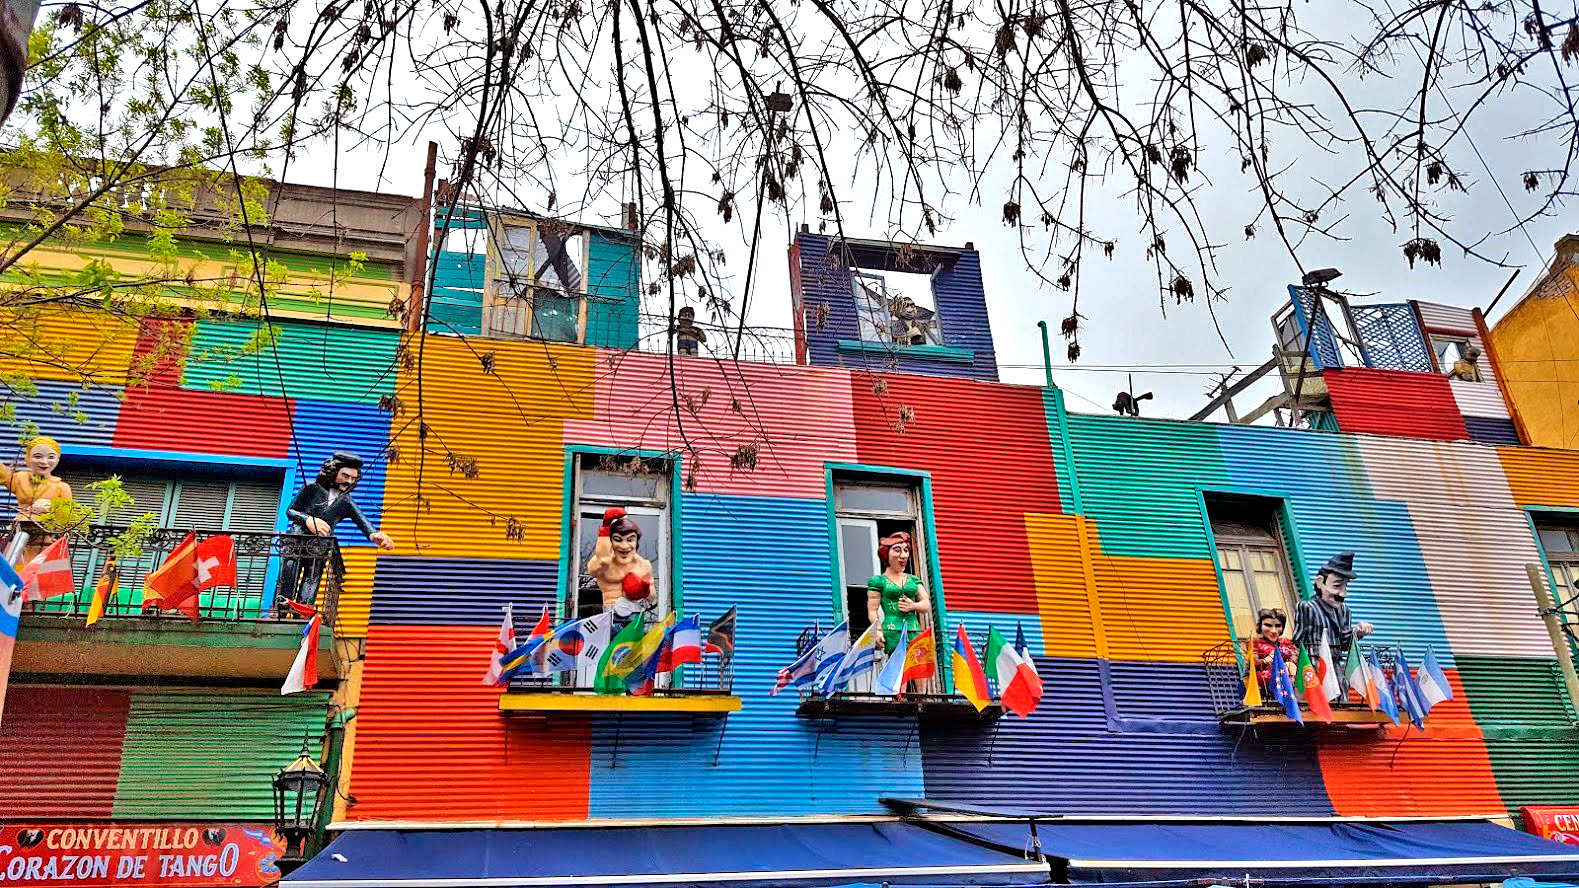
687,335
1327,613
315,511
1466,368
895,598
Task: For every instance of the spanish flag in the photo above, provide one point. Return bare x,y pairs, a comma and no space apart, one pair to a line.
102,592
921,660
969,679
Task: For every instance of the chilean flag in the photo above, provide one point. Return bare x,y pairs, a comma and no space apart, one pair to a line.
304,672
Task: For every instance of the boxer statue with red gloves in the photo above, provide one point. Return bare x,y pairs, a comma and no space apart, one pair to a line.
623,575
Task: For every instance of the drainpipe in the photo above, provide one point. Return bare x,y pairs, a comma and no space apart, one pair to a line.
417,310
334,754
1047,354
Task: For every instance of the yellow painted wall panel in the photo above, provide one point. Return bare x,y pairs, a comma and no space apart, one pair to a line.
72,345
503,427
1159,609
1065,585
1539,477
356,595
1537,347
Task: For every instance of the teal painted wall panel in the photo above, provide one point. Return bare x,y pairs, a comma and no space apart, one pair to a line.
322,363
458,283
613,275
1138,480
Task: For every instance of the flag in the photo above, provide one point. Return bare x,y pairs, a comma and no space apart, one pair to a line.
1252,698
644,680
1380,689
173,584
1434,687
921,660
1310,687
1360,678
528,657
578,644
1330,686
1025,654
832,651
503,644
304,671
216,562
1283,686
804,670
969,679
48,575
1016,678
1409,692
684,645
11,587
620,659
860,659
721,634
102,591
890,682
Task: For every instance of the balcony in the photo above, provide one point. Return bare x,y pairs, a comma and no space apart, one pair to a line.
1225,681
701,690
927,699
239,634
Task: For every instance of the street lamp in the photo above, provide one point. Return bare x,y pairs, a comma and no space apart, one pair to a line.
298,807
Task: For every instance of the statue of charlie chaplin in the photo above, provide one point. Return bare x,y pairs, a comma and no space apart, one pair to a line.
1328,613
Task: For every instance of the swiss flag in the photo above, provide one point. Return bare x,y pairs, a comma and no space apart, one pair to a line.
48,575
189,569
216,562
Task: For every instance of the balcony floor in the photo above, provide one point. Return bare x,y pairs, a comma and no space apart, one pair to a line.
50,644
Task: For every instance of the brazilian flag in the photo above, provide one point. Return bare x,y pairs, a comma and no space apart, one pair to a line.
623,648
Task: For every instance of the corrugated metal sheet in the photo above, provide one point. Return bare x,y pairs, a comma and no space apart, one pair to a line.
455,306
1474,542
1539,477
356,595
315,361
202,754
155,418
65,411
431,744
1070,609
1440,318
460,591
614,273
962,304
1480,399
318,429
60,749
1491,431
797,418
1134,486
1395,403
507,424
1160,609
1517,694
69,345
767,761
1080,753
987,449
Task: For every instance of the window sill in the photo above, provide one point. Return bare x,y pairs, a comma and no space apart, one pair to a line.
517,701
923,707
943,353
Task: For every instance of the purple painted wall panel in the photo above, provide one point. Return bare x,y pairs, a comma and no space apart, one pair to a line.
460,591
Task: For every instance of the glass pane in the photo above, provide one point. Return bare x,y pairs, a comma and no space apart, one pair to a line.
1240,607
870,307
606,484
858,551
556,257
862,498
1556,539
556,318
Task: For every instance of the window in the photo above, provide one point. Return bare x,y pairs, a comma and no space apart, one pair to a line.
537,285
1251,557
1560,542
867,509
195,498
896,308
639,486
1449,349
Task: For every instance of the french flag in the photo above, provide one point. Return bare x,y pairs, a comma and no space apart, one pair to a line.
304,672
683,646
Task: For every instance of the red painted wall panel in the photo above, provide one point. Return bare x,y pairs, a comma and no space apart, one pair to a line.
161,418
159,355
431,744
1395,403
987,449
60,751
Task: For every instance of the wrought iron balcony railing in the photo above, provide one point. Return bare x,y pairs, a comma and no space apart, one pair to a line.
261,561
1225,666
713,676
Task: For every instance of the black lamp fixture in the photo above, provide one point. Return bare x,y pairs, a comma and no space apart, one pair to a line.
300,791
1319,278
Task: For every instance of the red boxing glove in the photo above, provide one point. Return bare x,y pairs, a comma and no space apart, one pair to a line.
636,587
609,517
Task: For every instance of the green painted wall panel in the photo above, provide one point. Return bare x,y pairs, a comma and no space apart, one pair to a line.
614,275
1515,692
309,361
1138,480
211,755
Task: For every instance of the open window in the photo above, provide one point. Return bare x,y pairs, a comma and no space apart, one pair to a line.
897,308
1559,536
1251,557
641,487
536,281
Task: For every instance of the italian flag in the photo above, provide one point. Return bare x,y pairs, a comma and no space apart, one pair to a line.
1019,687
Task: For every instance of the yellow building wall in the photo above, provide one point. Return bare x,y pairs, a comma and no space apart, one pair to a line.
1537,347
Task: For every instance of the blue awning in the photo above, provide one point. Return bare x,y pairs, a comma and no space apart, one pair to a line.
1336,852
720,856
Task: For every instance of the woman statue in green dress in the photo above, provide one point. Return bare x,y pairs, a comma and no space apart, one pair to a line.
895,598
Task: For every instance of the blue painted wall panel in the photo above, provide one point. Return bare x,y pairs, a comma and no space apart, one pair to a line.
64,411
460,591
319,429
1079,753
767,762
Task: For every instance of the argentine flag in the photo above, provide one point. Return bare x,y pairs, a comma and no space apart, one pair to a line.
1434,687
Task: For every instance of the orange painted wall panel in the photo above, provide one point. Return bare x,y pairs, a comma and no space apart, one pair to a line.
1065,585
431,743
1539,477
1159,609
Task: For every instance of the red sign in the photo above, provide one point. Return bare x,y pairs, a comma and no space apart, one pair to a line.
1557,824
147,854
